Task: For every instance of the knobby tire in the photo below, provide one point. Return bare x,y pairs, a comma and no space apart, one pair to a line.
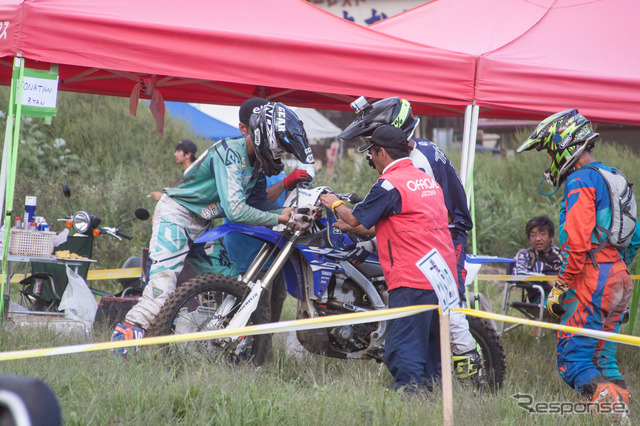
492,352
211,288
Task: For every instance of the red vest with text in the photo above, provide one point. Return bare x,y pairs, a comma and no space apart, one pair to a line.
422,225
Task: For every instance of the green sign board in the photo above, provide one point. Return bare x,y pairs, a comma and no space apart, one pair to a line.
39,92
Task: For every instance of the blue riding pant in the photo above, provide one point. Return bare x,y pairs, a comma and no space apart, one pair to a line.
412,347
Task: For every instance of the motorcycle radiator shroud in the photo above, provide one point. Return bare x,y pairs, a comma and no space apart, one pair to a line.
322,266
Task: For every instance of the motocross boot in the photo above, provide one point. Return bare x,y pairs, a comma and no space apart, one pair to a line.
468,366
127,331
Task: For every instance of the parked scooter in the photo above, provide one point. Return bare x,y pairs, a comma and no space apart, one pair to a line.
316,273
43,289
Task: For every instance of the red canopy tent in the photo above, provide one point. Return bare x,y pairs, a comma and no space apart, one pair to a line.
225,52
581,54
220,52
537,57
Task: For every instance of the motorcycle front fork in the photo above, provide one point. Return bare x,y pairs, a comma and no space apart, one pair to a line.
251,298
250,277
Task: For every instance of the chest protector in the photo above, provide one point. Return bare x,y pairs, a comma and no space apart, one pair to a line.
422,225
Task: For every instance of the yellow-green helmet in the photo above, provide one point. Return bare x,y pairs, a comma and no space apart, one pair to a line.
565,136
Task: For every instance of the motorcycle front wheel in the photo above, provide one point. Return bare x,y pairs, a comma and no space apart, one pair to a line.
207,303
491,351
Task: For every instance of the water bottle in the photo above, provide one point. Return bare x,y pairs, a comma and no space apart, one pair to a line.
30,208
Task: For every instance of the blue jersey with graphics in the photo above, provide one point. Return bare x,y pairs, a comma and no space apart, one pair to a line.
586,202
383,200
430,159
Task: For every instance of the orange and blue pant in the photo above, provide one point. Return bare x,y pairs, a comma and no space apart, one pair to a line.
595,300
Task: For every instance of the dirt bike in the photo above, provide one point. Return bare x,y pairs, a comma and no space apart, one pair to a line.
43,289
319,276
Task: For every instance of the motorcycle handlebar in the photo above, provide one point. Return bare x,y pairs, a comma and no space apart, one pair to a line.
123,235
349,198
354,198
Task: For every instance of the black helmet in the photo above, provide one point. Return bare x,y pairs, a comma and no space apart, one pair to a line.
393,111
276,129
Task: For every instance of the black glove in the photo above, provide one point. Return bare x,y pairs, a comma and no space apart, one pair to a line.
295,178
361,252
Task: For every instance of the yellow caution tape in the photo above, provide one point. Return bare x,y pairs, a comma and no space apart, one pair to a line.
277,327
602,335
114,274
99,274
527,277
309,324
16,278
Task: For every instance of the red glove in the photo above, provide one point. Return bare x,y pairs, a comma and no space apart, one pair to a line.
295,178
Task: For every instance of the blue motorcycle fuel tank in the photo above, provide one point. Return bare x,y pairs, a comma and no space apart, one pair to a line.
322,266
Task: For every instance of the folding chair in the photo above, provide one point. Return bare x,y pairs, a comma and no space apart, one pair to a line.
47,281
531,310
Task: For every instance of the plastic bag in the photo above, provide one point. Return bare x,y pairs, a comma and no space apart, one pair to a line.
77,300
61,237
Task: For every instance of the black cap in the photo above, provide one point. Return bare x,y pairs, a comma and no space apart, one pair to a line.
249,107
386,136
187,146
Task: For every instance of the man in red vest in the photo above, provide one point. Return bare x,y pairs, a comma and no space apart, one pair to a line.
407,208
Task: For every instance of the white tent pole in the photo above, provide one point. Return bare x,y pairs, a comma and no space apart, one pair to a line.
465,145
471,155
473,133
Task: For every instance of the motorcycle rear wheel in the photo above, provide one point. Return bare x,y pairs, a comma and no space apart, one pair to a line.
196,306
491,351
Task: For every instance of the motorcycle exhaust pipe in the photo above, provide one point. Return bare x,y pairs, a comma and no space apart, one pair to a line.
348,307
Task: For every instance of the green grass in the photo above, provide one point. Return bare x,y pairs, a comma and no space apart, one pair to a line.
115,159
93,388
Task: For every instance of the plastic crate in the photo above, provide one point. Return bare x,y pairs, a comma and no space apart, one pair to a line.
31,243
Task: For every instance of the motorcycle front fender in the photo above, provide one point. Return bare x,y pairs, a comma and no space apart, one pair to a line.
260,232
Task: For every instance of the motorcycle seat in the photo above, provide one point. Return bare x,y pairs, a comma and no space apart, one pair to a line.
370,268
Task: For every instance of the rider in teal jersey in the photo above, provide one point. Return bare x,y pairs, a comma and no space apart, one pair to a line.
242,249
215,186
219,184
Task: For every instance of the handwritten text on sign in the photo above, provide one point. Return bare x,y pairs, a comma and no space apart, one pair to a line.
39,92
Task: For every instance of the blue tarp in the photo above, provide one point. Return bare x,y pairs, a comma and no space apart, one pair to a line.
204,125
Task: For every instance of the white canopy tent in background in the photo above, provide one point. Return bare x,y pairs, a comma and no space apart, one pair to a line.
316,125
